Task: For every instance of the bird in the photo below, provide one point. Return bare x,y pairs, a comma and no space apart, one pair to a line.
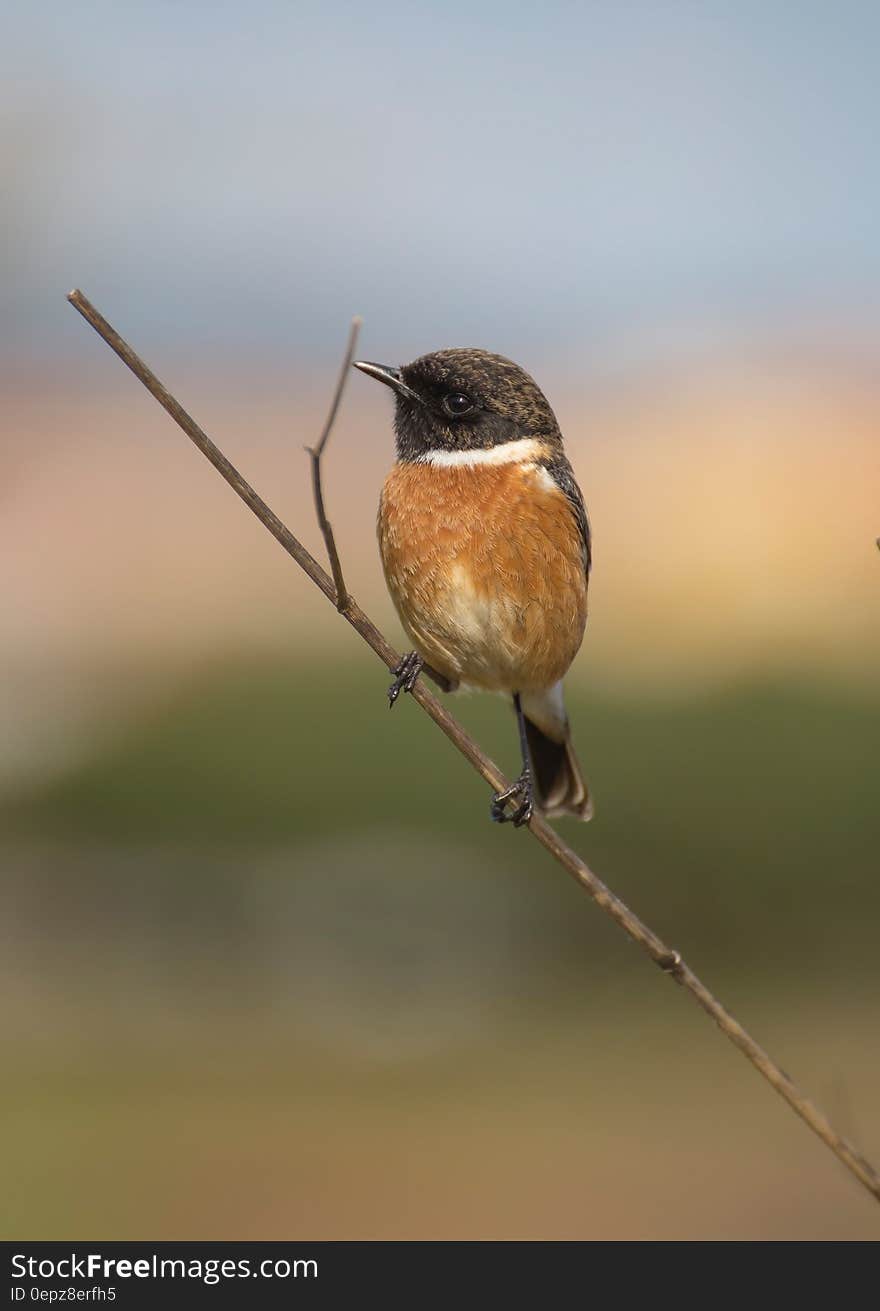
486,548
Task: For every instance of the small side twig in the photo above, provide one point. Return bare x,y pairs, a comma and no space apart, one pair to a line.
315,453
665,957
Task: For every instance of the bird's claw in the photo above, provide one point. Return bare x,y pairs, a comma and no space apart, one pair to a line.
521,789
406,674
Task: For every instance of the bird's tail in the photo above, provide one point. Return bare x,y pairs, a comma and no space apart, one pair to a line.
559,784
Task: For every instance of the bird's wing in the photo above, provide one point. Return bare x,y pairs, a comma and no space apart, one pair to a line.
562,474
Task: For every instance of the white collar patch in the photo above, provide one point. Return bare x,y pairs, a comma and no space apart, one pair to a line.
516,452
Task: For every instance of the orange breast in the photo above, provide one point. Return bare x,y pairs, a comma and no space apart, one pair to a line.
484,565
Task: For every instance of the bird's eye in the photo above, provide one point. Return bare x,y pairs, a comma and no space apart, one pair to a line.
456,403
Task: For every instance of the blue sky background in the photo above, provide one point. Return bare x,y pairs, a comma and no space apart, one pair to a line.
601,182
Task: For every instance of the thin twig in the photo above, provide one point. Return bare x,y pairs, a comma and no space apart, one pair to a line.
315,453
667,959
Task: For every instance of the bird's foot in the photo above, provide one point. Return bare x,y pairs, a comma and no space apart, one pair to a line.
521,793
406,674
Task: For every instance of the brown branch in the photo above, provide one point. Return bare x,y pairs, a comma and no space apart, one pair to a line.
667,959
315,453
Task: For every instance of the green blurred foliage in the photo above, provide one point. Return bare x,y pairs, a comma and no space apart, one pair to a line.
269,969
742,823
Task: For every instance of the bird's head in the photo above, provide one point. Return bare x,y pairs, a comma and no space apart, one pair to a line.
463,399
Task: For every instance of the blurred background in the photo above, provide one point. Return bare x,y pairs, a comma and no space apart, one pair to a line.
267,969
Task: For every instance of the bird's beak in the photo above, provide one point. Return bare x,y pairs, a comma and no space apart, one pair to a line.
389,375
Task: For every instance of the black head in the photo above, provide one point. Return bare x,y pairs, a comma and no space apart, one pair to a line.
464,399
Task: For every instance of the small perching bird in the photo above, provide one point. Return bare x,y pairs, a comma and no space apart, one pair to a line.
485,544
